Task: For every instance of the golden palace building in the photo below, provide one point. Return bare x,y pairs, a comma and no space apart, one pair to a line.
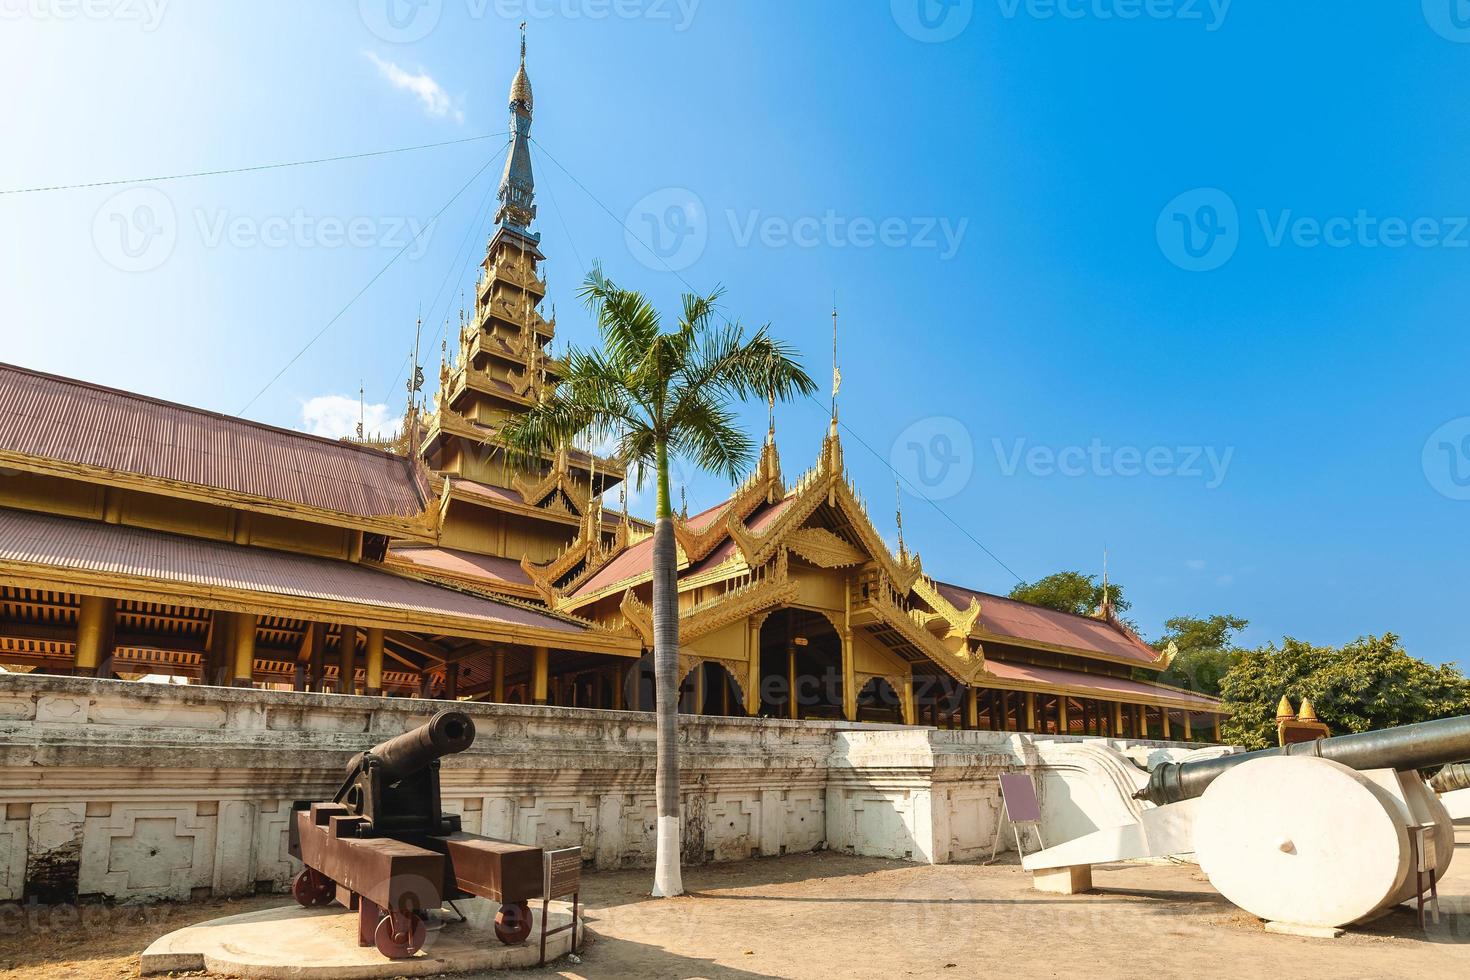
144,538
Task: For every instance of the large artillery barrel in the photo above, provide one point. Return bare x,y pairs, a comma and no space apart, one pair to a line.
446,733
1451,778
1422,746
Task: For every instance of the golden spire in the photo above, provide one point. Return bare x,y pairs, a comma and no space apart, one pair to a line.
836,371
1284,710
898,494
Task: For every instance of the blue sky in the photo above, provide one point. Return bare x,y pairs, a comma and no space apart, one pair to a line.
1268,417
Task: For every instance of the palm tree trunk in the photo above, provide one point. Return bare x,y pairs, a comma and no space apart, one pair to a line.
667,877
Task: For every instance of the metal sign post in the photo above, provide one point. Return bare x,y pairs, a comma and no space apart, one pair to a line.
563,876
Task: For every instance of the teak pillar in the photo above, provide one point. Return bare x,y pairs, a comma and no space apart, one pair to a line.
849,679
1064,726
1188,727
540,674
347,661
374,683
910,714
792,708
451,682
244,644
1216,724
1141,714
972,708
96,626
1030,711
1168,732
1118,719
752,667
498,678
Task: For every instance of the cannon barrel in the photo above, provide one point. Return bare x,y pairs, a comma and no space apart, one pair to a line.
1451,778
446,733
1422,746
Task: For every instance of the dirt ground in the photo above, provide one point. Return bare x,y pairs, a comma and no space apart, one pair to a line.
828,915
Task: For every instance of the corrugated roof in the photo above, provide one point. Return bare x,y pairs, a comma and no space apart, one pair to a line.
1108,686
55,418
1025,623
465,564
127,552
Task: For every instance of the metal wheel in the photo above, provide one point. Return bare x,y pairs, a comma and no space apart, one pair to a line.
398,936
312,889
513,923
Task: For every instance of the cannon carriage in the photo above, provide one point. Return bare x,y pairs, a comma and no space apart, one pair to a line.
384,847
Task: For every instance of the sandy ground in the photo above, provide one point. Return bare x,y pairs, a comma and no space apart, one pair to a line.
826,915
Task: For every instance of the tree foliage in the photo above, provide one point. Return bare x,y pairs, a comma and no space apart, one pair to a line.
1365,685
1205,651
1071,592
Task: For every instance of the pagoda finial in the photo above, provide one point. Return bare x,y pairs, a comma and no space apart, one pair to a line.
771,417
361,408
898,495
836,371
683,504
523,42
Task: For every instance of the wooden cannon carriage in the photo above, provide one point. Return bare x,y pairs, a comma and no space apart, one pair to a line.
384,846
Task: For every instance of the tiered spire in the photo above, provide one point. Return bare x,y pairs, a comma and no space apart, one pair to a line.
518,184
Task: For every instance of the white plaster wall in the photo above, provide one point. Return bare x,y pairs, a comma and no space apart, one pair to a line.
139,792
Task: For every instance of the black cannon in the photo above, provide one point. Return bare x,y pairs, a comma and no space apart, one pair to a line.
384,846
1422,746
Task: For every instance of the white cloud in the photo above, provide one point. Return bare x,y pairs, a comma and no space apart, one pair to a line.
1195,564
335,416
431,94
1225,581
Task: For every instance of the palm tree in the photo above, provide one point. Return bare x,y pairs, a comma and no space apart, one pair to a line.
658,395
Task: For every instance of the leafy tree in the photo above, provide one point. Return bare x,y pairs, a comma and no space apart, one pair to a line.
1070,592
657,394
1205,651
1367,684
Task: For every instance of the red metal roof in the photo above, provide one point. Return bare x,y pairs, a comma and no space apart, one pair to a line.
465,564
1114,687
1025,623
638,559
50,542
55,418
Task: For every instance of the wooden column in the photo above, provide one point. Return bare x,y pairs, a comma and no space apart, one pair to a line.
219,663
910,713
96,627
792,708
425,684
497,681
347,661
699,691
374,652
1140,714
1030,711
1216,725
451,682
849,679
620,680
540,674
972,708
1168,733
1118,719
244,645
318,656
1063,722
1188,727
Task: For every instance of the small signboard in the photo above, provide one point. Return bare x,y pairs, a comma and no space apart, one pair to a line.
1020,807
562,876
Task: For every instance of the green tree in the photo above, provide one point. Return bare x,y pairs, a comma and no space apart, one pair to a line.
1070,592
1367,684
1205,651
660,394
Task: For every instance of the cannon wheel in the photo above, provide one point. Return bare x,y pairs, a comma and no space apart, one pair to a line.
398,939
513,923
312,889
